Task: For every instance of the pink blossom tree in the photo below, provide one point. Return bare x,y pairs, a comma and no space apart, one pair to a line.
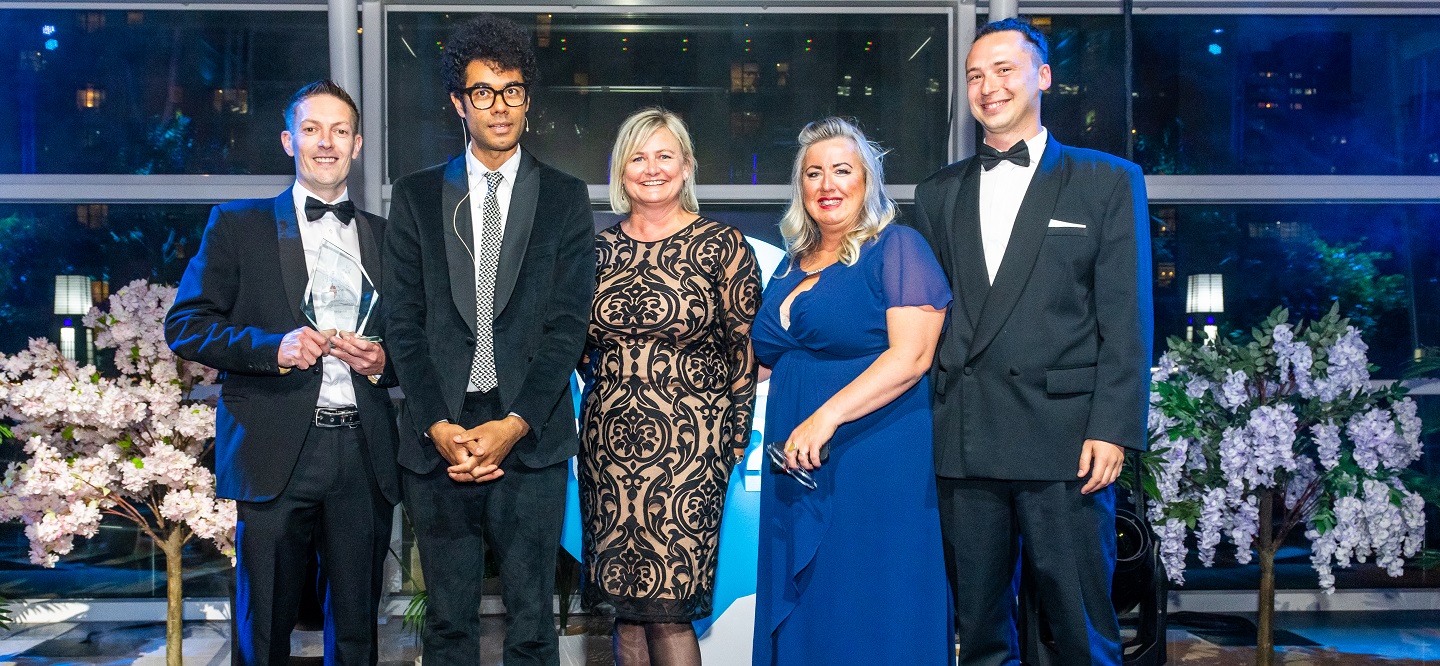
127,446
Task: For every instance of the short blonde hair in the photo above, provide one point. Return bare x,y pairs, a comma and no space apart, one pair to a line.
634,132
800,231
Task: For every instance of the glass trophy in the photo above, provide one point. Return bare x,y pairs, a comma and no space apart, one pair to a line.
340,295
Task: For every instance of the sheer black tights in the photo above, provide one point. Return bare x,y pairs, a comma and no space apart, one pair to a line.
656,644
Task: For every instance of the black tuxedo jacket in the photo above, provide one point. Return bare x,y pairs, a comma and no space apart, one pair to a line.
543,288
240,295
1057,350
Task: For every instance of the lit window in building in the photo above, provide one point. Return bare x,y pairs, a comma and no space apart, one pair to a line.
1165,273
542,30
90,21
234,100
89,97
92,216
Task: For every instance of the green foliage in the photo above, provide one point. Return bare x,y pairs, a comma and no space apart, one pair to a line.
1427,366
167,145
1344,274
414,618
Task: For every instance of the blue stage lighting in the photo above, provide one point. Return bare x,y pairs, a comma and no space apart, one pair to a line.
47,30
1214,49
52,44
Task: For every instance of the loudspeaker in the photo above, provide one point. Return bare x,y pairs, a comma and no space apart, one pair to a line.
1137,590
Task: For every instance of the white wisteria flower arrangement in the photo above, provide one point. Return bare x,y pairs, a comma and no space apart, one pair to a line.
129,445
1252,440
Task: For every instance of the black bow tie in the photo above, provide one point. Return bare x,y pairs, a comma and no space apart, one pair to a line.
989,157
316,209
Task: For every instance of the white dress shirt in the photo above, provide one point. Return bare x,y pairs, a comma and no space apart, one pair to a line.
336,390
1002,188
479,189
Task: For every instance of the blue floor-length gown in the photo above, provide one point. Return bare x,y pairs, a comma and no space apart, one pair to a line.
852,572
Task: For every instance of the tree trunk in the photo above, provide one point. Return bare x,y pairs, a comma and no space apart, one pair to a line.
1265,634
174,596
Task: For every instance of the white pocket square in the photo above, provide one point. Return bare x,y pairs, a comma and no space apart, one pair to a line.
1061,224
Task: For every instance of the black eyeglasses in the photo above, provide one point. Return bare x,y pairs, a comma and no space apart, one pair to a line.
483,97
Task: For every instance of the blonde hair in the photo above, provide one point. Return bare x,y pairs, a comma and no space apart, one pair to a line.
800,231
634,132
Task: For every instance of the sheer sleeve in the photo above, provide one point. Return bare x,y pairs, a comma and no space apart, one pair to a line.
909,273
739,288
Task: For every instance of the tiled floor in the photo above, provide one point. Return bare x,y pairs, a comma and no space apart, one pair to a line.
1389,638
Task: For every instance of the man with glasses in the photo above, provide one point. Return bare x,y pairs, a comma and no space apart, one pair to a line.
490,268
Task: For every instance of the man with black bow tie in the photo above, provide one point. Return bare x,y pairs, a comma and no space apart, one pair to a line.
305,433
1041,380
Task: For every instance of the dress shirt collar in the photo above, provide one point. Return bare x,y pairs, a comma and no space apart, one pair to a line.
477,171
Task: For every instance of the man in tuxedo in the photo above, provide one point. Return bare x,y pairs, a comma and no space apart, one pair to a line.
490,264
1041,378
304,433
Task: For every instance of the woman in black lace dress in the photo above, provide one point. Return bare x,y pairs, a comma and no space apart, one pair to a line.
668,411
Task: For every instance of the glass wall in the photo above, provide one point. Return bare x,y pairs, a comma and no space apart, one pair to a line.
744,83
114,243
1085,106
1288,94
97,93
114,91
1380,262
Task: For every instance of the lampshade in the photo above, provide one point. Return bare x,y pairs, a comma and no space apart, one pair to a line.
1205,293
72,294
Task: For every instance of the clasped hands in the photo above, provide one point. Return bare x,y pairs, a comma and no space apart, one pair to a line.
304,347
475,454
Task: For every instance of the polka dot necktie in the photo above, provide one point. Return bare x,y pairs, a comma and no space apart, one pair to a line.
487,263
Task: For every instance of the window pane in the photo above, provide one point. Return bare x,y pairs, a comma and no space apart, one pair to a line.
119,562
106,242
122,92
111,244
1382,260
1288,94
745,84
1085,106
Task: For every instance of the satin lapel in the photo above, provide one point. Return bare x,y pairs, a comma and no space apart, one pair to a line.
369,254
969,249
459,239
292,254
518,224
1023,248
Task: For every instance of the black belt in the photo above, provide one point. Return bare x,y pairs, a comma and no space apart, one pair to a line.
333,417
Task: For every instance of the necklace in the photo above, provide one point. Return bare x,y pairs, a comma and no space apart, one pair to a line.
816,271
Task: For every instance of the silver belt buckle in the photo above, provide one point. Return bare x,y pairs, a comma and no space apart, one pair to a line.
329,417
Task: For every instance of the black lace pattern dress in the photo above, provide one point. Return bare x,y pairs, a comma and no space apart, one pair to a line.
670,396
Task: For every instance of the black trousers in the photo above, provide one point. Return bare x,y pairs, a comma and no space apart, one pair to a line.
1068,543
520,515
331,504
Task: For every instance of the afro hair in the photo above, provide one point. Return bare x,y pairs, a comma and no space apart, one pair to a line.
489,39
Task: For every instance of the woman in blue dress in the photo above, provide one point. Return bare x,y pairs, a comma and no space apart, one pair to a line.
851,571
